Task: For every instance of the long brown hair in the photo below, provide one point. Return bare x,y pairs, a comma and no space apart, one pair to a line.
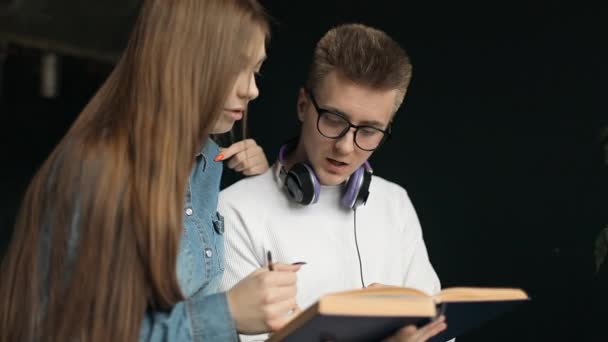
96,239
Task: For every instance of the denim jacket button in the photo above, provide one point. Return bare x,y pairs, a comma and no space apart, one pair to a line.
189,211
208,252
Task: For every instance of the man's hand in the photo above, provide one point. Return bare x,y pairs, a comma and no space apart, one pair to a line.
412,334
264,301
245,156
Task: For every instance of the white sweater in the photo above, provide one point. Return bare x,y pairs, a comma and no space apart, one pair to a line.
259,217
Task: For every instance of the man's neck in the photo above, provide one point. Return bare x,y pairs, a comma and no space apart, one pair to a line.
295,156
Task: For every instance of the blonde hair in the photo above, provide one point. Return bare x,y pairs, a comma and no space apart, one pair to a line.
96,240
364,55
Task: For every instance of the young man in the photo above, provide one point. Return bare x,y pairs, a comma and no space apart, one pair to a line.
302,208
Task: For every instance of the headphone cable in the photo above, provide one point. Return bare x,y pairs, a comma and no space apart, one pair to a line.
357,246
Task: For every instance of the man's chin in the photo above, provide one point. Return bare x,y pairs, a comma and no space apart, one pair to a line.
331,179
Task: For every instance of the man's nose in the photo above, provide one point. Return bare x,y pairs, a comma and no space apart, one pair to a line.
346,144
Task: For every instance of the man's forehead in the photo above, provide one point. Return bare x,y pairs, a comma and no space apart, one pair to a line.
356,101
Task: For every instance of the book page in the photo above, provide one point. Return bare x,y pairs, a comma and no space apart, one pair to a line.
383,291
378,305
480,294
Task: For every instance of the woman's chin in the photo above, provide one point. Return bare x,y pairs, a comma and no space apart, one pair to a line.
222,127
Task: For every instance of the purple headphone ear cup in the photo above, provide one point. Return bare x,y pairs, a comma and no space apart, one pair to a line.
316,184
357,188
364,190
302,184
352,188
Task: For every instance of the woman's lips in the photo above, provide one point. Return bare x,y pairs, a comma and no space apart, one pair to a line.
235,114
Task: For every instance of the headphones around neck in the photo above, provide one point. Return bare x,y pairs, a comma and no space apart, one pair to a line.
302,184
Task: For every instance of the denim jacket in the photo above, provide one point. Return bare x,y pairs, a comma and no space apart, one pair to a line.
204,314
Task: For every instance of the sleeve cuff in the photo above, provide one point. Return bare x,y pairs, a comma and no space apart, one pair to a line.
211,319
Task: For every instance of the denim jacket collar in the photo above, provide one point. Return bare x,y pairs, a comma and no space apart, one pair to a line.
209,148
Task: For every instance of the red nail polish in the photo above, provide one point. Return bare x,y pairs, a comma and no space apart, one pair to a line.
219,157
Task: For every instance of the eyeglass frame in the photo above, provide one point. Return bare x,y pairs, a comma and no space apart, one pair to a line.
386,132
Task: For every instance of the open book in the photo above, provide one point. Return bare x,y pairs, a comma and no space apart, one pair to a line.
372,314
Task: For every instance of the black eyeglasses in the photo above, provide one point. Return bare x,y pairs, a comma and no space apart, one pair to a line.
334,125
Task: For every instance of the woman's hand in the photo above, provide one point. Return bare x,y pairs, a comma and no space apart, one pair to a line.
264,300
245,156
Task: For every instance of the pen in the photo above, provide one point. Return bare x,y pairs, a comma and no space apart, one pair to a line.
269,260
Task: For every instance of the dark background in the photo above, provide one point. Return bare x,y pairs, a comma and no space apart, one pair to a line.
496,143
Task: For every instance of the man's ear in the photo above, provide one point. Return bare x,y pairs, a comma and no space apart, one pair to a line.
302,104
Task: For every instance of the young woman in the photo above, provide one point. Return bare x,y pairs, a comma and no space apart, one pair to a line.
118,237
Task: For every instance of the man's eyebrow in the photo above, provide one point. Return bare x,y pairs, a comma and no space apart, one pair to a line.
347,116
374,123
